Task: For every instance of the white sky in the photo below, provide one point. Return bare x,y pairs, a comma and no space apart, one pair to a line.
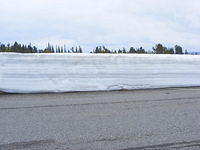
89,23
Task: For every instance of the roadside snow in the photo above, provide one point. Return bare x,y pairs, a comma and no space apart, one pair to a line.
38,73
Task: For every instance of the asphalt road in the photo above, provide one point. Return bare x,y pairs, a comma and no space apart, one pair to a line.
130,120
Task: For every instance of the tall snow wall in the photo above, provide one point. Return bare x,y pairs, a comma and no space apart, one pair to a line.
38,73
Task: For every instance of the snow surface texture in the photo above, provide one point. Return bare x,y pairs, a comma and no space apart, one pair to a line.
38,73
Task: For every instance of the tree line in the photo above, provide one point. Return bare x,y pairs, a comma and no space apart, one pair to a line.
22,48
103,49
158,49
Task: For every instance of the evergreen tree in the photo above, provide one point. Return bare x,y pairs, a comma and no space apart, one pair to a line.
132,50
105,50
124,50
35,49
100,49
72,50
8,48
80,49
52,49
30,49
96,50
178,49
119,51
76,51
159,49
3,48
140,50
58,49
62,49
169,51
65,50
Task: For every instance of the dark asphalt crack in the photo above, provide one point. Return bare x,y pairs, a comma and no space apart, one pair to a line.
100,103
169,146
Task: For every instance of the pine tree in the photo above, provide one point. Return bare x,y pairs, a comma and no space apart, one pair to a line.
141,50
119,51
178,49
124,50
169,51
159,49
80,49
65,50
58,49
62,49
105,50
96,50
132,50
72,50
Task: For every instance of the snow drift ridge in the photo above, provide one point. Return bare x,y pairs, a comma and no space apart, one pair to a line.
37,73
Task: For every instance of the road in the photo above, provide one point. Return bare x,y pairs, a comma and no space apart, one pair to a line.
122,120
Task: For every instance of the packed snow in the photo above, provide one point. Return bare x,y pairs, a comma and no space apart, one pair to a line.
38,73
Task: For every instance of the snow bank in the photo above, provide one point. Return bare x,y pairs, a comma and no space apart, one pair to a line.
37,73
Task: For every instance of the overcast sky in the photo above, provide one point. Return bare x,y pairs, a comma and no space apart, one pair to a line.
114,23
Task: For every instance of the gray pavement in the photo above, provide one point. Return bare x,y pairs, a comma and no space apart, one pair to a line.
130,120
